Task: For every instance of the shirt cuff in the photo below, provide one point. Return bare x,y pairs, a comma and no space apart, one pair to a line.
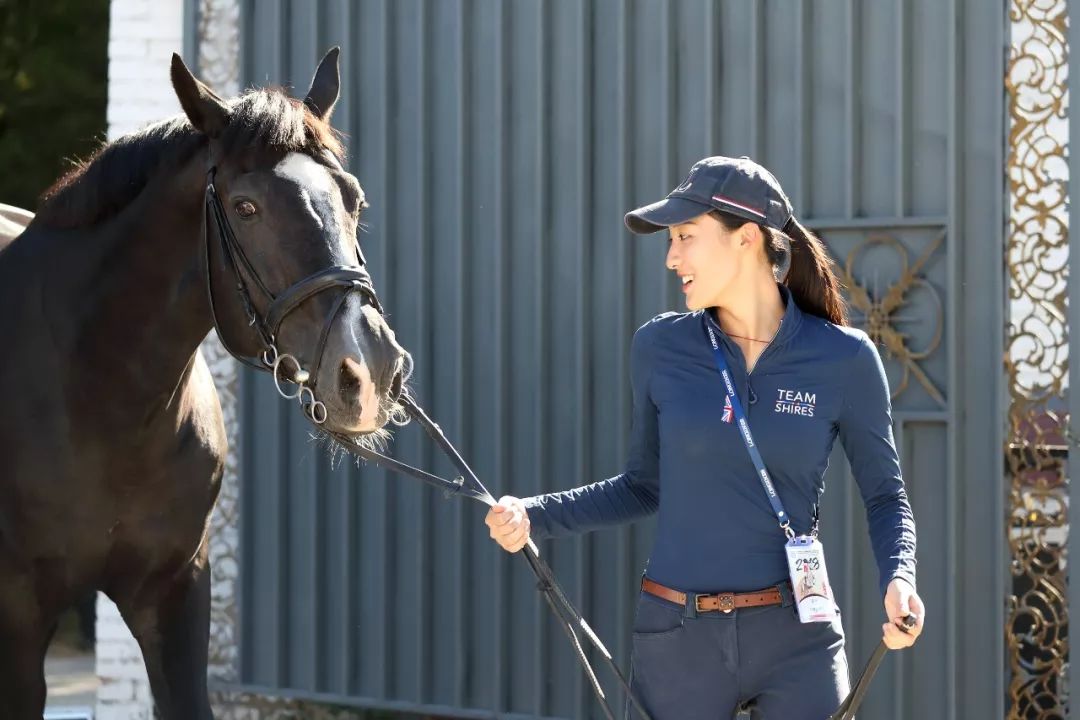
904,575
534,506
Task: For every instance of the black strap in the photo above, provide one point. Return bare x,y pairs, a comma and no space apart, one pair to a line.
336,276
451,487
468,485
851,703
216,212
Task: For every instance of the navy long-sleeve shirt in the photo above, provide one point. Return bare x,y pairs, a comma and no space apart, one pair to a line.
814,382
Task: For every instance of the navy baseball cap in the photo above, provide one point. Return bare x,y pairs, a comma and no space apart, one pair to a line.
737,186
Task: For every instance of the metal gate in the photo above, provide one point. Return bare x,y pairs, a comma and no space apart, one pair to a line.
499,144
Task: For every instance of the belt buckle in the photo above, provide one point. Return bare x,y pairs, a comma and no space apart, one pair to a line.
725,602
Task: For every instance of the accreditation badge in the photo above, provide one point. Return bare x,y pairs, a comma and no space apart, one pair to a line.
810,580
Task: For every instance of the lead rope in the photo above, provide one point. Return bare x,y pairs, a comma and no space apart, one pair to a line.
468,485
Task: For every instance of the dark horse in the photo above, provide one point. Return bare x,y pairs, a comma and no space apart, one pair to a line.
237,216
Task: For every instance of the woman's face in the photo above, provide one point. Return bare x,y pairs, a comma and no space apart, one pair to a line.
707,257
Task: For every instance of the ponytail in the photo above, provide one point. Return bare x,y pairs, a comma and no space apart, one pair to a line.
810,276
812,280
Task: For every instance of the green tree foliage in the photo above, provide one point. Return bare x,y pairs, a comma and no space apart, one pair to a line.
53,76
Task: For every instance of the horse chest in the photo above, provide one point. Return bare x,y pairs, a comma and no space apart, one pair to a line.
115,488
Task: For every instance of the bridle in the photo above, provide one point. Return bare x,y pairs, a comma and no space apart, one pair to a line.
283,366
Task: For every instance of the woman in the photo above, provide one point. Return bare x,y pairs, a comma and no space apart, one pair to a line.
716,625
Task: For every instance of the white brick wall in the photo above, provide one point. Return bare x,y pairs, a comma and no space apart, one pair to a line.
143,35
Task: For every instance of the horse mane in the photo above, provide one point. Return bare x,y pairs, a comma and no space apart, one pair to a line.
99,187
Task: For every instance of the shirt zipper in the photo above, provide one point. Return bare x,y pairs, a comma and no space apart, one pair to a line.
758,364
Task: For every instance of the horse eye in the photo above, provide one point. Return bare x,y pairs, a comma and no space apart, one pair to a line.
245,208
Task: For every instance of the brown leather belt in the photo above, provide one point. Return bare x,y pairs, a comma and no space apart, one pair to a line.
723,602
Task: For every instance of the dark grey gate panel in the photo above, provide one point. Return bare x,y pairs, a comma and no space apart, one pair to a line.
499,144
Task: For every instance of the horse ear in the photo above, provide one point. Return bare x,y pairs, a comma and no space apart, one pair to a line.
325,86
206,111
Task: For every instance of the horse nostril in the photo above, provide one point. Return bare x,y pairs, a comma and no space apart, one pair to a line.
349,380
395,386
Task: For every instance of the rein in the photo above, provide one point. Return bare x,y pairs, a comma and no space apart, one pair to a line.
466,484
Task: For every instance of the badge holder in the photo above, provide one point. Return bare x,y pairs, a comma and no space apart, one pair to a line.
809,579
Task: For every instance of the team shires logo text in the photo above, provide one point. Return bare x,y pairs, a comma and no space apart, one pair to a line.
795,402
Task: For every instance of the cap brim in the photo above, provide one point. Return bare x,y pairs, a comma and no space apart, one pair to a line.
663,214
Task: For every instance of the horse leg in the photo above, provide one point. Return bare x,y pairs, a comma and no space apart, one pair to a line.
24,640
22,671
172,626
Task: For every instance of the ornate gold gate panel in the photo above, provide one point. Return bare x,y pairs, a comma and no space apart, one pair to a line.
1036,359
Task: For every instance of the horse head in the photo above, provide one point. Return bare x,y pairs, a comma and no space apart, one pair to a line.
288,284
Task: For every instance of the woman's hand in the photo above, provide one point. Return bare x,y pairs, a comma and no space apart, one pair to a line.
901,600
509,523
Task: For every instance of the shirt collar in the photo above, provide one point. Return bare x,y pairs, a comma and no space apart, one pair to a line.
789,324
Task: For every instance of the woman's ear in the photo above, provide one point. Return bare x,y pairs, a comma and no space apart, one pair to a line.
749,233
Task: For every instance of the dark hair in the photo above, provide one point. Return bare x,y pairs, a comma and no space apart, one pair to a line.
811,278
98,188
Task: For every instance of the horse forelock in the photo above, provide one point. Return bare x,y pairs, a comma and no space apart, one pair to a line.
270,118
100,186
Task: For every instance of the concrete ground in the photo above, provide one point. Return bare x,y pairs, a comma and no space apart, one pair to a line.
70,675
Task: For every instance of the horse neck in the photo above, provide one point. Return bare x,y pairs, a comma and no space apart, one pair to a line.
147,310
